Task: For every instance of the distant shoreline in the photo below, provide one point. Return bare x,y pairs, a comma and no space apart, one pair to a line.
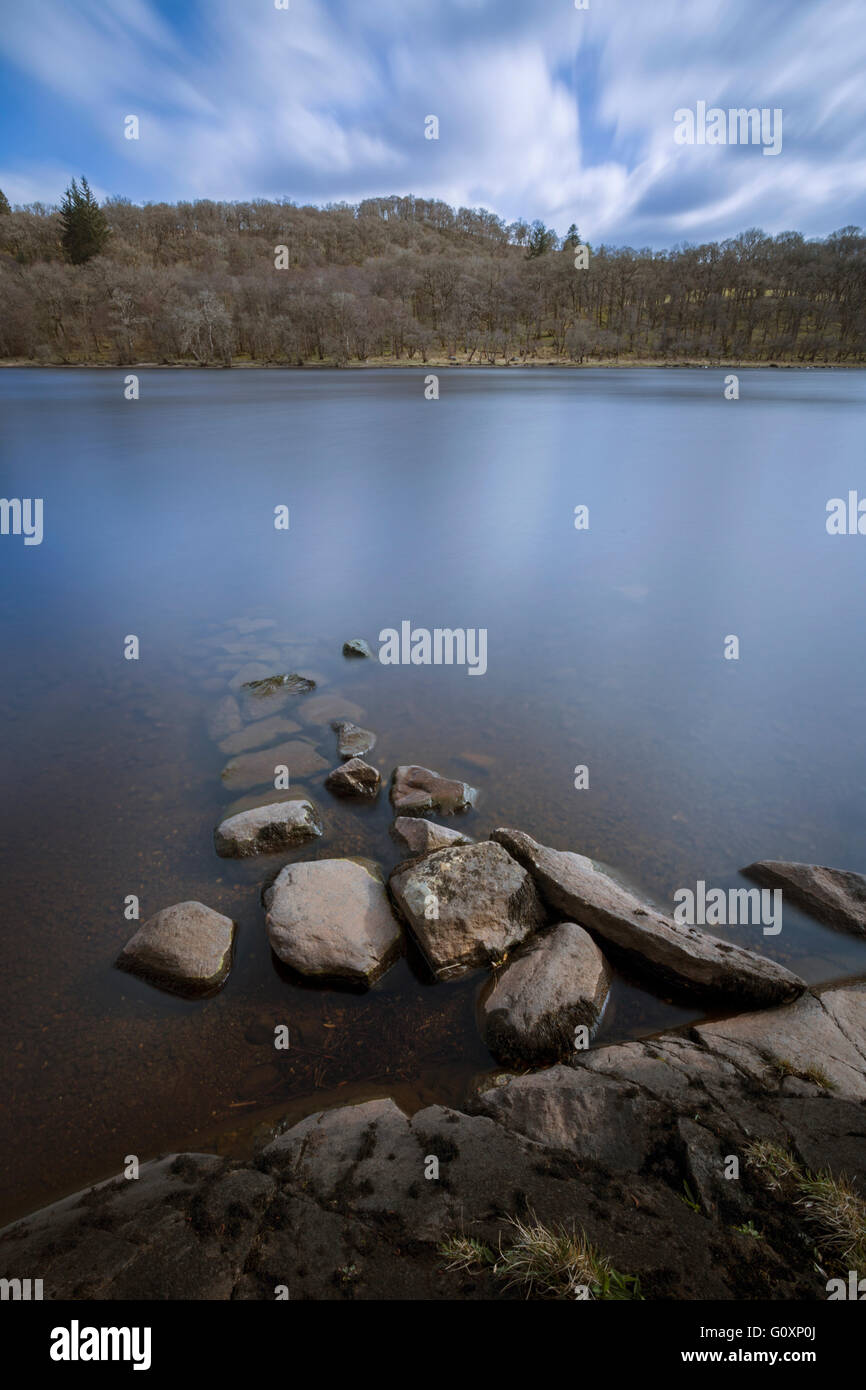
433,365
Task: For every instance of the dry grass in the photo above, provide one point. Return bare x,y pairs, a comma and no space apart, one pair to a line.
832,1205
545,1262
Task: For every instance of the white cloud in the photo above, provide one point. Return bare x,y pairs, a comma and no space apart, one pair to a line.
545,111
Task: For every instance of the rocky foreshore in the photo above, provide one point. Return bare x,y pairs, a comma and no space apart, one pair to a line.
648,1148
633,1143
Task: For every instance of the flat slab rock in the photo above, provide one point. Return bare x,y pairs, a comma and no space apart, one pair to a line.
466,906
332,919
834,896
257,734
420,836
681,958
352,740
254,769
324,709
186,949
417,790
354,778
266,829
225,718
559,980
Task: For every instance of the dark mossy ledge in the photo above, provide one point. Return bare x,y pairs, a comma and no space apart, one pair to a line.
632,1143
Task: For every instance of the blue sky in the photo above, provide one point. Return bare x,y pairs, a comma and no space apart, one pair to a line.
545,110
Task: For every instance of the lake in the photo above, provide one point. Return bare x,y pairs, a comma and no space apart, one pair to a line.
605,649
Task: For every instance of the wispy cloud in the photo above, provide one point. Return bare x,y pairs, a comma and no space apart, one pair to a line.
544,110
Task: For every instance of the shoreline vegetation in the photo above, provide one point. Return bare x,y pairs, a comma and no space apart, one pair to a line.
438,364
405,281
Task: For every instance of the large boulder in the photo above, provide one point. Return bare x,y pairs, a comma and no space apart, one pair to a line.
680,958
352,740
266,829
354,778
254,769
415,791
834,896
558,981
421,837
467,906
186,949
332,919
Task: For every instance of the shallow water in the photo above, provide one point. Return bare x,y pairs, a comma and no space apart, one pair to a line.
605,649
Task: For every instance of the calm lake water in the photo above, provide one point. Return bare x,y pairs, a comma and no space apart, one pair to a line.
605,648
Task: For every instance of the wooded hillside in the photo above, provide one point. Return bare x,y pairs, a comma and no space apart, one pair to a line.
404,279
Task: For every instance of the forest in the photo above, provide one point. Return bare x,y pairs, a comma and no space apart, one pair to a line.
406,280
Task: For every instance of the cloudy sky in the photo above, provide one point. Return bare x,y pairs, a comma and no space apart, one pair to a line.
544,110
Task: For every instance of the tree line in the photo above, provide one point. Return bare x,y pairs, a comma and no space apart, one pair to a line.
405,279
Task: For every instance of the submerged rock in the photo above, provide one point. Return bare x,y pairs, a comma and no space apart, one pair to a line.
270,685
247,625
186,948
421,836
225,719
560,980
354,778
252,671
356,647
253,769
681,958
254,735
324,709
331,918
466,906
417,790
834,896
352,741
266,829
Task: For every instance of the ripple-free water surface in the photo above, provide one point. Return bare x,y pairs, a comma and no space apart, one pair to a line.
605,648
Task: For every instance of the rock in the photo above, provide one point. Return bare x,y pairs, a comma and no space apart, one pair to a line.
595,1118
325,709
421,836
254,735
343,1204
834,896
331,918
352,741
251,671
267,829
417,790
356,647
467,906
271,685
252,769
260,707
821,1037
558,981
247,625
186,948
354,778
225,719
680,958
